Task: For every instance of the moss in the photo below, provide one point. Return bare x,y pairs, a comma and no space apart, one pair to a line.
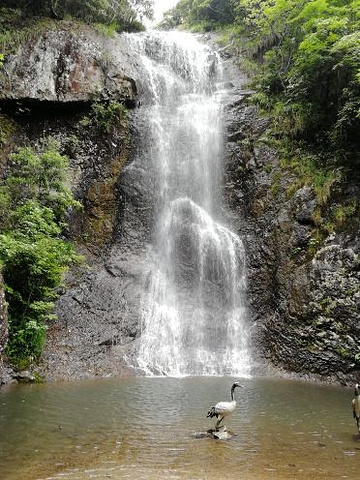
7,128
38,378
275,184
317,216
315,241
268,168
100,215
343,352
17,29
342,213
327,305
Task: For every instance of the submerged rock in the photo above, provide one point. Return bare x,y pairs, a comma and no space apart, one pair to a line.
218,434
221,434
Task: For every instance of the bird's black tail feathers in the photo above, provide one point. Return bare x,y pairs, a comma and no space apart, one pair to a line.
212,413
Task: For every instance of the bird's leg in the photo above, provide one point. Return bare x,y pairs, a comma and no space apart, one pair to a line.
218,423
358,424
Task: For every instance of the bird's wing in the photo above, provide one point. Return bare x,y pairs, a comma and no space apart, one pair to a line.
211,413
225,407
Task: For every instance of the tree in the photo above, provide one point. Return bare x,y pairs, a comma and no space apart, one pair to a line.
34,200
219,12
311,55
125,12
208,13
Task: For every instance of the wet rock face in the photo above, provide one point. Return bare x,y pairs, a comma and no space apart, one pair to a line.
70,64
3,317
5,371
55,79
304,301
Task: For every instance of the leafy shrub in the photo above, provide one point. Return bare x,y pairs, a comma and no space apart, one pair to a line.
33,254
105,116
126,13
309,53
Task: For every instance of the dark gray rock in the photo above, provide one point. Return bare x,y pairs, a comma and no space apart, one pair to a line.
5,370
3,317
305,305
25,376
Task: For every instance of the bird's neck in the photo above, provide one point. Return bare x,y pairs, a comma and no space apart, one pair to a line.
232,394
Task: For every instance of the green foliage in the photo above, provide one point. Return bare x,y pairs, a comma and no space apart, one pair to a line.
312,53
341,213
107,30
34,200
202,14
106,116
26,343
215,12
41,178
309,171
309,53
357,358
7,128
176,16
127,14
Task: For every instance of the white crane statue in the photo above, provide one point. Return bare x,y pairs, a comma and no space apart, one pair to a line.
223,409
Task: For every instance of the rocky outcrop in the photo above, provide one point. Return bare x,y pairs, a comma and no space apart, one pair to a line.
303,291
71,63
48,89
5,370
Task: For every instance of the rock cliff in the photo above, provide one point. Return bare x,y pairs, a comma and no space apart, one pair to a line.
71,63
4,371
60,84
304,292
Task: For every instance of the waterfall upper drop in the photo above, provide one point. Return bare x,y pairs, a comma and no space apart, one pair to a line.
193,310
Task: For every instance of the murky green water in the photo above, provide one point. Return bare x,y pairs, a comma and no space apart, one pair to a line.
146,428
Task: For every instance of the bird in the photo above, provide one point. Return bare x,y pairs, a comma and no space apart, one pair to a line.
356,406
223,409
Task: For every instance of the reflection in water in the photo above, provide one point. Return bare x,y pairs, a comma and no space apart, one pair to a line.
146,428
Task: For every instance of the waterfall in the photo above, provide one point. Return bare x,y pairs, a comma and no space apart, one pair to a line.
193,315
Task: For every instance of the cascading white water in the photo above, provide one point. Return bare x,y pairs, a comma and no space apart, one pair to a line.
193,312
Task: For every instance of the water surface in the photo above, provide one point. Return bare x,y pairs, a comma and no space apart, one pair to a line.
147,428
